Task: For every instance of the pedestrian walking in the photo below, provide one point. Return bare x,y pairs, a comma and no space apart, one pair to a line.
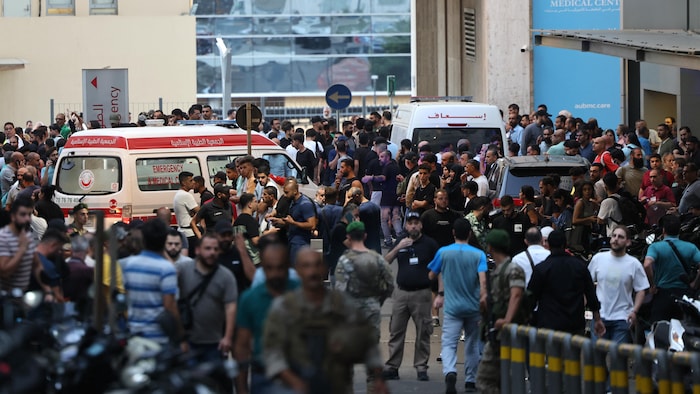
461,269
412,297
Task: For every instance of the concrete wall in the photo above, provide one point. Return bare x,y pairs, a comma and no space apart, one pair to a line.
501,74
509,71
159,52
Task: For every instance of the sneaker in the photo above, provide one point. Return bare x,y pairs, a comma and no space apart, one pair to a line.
436,321
390,374
450,383
388,245
439,358
423,376
461,338
469,387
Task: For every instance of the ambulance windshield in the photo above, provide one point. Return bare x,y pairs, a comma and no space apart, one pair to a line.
81,175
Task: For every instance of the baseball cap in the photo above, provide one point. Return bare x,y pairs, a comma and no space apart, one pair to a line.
316,119
114,118
342,138
223,226
543,113
221,188
412,215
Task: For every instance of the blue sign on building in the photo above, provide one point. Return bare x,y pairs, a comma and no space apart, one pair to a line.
338,97
586,84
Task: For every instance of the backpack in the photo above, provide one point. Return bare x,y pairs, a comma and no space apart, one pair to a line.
633,212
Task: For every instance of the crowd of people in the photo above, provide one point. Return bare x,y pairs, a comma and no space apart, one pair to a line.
239,275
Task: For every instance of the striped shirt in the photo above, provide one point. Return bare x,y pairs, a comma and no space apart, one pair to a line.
147,277
9,244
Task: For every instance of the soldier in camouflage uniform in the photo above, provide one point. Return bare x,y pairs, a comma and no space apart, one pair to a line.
313,336
507,280
364,275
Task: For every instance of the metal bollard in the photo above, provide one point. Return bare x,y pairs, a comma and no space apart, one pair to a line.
695,367
619,378
517,358
537,372
642,372
663,376
601,346
680,363
506,334
587,349
554,363
572,366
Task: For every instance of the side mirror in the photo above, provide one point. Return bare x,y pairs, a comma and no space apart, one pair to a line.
303,178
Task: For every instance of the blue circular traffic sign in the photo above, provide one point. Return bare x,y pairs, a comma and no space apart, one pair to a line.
338,96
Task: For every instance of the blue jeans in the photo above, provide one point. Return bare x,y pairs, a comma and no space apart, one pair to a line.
617,331
451,329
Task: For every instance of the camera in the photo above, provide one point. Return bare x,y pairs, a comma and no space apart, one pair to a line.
524,48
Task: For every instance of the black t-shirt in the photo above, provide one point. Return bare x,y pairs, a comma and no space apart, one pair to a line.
374,167
250,223
205,196
389,198
413,263
425,194
285,142
48,210
516,226
307,160
232,261
212,213
336,248
361,157
439,225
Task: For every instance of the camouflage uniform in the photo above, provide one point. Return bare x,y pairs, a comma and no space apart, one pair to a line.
503,278
299,336
478,229
367,279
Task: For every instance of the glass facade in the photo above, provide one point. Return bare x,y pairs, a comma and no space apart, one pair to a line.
301,47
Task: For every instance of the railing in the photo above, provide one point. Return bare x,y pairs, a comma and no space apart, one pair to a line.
559,362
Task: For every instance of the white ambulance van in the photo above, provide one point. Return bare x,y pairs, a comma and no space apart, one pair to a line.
130,172
441,122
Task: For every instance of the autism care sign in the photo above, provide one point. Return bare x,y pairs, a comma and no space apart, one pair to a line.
106,93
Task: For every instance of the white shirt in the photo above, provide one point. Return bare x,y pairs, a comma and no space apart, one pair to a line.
483,186
616,278
538,253
183,203
609,209
313,146
292,152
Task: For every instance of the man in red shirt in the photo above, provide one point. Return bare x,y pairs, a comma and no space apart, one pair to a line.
655,163
657,198
603,156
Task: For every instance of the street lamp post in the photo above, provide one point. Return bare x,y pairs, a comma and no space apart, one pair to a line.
225,55
374,87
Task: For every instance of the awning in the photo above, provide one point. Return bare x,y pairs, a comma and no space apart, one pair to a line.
11,64
670,47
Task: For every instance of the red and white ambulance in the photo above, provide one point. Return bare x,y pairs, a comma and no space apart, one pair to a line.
130,172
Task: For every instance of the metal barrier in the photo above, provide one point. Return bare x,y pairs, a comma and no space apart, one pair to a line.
556,362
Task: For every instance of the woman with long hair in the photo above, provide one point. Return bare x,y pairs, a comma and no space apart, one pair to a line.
585,216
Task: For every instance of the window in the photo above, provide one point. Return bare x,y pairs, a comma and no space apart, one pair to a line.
281,165
103,7
438,137
218,163
89,175
470,34
60,7
161,174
